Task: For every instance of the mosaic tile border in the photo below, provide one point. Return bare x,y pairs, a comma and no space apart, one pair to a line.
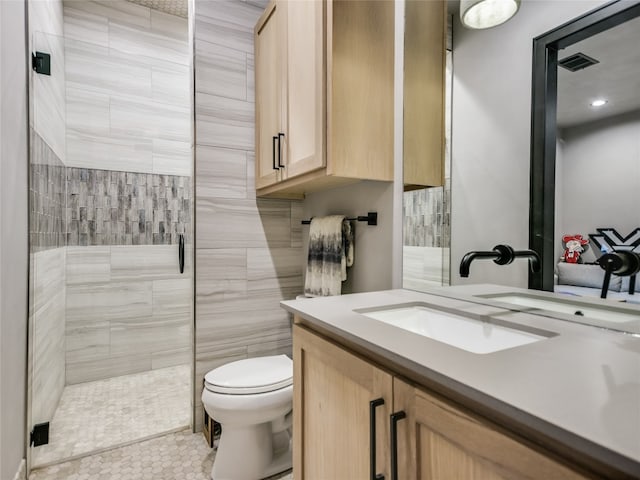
47,197
427,217
72,206
106,207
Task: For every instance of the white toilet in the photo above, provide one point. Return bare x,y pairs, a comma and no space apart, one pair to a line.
252,399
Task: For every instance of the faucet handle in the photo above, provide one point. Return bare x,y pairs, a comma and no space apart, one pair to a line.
507,254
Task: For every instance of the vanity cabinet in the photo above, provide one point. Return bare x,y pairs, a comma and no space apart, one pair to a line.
435,438
331,414
324,95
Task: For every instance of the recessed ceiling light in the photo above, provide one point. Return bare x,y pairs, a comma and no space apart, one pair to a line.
478,14
598,103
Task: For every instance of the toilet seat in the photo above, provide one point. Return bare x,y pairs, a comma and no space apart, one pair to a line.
251,376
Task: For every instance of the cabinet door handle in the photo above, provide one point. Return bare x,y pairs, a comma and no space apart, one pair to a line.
395,418
273,153
280,135
373,404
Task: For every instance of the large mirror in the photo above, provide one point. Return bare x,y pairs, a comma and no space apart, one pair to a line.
585,164
571,192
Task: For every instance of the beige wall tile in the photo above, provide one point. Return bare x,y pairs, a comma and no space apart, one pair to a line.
48,378
171,358
225,122
94,303
224,223
146,262
229,24
222,173
274,269
90,370
87,341
221,71
154,334
172,296
88,265
171,157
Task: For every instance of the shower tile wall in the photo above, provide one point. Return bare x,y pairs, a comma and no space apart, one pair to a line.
128,310
248,250
48,109
129,159
128,105
47,324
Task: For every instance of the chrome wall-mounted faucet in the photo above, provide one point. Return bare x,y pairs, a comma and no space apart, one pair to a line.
502,255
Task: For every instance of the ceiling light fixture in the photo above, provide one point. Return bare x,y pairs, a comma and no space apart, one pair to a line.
598,103
478,14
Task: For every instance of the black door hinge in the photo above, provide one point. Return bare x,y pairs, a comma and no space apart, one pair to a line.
41,63
40,434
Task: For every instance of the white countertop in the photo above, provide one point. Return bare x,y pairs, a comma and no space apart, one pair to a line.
580,387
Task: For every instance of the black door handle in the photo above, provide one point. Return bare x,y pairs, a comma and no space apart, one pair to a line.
395,418
273,153
373,404
280,135
181,252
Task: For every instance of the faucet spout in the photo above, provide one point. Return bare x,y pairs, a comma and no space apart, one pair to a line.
471,256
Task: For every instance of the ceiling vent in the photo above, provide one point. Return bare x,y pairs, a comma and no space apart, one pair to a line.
577,62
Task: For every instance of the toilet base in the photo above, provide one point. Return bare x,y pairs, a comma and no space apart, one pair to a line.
251,453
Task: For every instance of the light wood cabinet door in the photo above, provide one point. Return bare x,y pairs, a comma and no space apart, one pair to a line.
305,87
360,90
332,394
437,440
269,64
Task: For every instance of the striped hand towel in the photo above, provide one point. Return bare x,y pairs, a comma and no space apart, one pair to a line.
330,253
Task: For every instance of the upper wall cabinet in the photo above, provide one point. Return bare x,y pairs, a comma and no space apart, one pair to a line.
324,95
424,93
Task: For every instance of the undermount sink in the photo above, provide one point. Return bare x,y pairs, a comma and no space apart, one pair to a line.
470,334
607,316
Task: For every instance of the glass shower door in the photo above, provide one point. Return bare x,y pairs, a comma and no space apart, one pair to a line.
110,198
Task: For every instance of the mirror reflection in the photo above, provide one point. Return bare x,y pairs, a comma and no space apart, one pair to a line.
597,159
426,209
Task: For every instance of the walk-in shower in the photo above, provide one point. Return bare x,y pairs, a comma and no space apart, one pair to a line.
111,196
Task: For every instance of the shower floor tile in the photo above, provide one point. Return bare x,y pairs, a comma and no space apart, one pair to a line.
182,455
96,415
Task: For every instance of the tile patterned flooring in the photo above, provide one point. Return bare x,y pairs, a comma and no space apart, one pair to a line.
177,456
96,415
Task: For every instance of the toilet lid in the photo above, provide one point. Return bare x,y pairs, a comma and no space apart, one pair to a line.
253,375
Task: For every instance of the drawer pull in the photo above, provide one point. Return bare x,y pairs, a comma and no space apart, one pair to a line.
373,404
395,418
